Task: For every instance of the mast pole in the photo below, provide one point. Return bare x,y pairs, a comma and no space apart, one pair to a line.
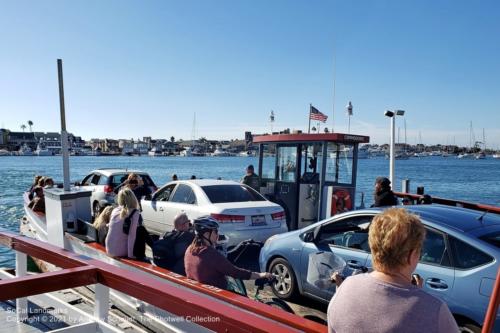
310,109
64,134
333,104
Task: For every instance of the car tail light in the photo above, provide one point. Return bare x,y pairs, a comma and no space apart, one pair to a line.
279,216
108,189
223,218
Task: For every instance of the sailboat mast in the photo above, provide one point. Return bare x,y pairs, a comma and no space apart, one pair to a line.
470,136
193,132
405,134
484,141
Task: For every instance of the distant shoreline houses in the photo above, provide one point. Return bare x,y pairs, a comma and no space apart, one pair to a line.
50,142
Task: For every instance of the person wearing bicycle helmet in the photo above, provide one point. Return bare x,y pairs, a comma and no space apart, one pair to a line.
205,264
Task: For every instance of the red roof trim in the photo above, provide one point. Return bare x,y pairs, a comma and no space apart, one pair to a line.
331,137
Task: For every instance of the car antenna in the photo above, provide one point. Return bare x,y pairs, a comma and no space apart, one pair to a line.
480,218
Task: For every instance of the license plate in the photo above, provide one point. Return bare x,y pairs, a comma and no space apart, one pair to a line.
258,220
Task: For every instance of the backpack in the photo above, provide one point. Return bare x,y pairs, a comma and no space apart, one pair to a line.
164,250
141,236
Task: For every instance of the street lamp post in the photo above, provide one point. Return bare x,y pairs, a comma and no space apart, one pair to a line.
392,157
349,114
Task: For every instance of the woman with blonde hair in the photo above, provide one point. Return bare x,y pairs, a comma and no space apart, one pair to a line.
386,300
101,224
127,237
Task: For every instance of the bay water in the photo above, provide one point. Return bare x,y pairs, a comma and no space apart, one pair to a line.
464,179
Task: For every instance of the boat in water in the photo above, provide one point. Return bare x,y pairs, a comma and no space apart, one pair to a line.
480,156
41,150
248,153
465,156
219,152
155,152
25,150
4,152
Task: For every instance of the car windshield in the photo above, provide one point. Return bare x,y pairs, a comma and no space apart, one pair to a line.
492,238
231,193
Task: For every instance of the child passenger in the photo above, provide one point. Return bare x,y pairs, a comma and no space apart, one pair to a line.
101,224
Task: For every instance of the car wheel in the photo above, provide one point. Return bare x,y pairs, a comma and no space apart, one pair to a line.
468,328
286,285
96,210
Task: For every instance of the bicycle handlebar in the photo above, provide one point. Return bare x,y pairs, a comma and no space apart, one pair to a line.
260,283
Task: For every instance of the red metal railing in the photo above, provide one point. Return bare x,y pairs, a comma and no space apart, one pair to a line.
226,296
80,270
491,313
449,202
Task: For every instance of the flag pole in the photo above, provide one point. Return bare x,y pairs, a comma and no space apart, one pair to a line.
309,128
333,106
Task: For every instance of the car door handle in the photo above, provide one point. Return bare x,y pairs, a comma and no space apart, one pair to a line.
353,264
436,283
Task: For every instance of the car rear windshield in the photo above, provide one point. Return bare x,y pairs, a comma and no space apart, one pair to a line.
231,193
117,179
493,238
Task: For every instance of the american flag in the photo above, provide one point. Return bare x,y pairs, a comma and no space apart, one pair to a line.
315,114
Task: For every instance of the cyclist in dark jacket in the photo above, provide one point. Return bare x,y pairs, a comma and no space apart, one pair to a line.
207,265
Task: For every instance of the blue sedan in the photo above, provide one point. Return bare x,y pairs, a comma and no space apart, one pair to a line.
459,260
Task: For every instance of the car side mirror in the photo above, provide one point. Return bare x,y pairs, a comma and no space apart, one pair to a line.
309,237
316,233
78,184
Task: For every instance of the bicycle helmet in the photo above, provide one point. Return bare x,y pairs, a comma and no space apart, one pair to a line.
205,223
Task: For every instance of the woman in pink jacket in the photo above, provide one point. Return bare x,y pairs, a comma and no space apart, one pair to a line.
126,235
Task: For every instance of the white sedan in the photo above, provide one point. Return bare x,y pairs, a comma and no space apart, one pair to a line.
242,212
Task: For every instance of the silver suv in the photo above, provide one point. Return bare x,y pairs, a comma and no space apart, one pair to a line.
103,182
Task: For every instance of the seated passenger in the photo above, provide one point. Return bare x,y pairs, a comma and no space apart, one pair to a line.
41,181
38,202
425,200
127,237
386,300
205,264
48,183
31,191
169,251
101,224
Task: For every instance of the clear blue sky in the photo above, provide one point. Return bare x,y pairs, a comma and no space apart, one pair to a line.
137,68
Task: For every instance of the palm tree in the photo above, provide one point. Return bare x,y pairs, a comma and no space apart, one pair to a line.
23,127
30,123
